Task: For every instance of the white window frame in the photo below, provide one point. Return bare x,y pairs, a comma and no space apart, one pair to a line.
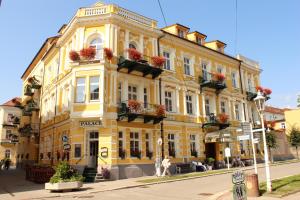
181,33
193,143
207,105
189,104
172,140
170,100
132,93
167,64
84,89
94,84
234,80
187,66
223,107
134,140
237,112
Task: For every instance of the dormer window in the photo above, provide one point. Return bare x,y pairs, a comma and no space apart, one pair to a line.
181,33
199,40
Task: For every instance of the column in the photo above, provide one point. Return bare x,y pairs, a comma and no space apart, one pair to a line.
203,105
197,104
126,43
141,44
184,102
177,99
107,42
125,90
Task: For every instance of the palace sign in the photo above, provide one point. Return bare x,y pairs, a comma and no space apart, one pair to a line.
90,123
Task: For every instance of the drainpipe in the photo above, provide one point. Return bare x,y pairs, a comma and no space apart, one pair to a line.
160,101
242,89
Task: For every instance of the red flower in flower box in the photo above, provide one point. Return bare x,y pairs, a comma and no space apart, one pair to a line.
219,77
259,88
88,53
158,61
134,106
267,91
74,56
134,54
160,111
108,53
223,117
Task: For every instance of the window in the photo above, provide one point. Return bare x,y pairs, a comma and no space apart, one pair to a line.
148,145
98,45
119,92
242,147
145,98
132,92
80,90
250,88
207,107
66,97
132,45
10,118
189,104
220,69
223,106
8,134
77,151
168,101
171,145
167,64
7,153
199,40
94,135
193,145
134,144
282,125
237,111
180,33
94,88
187,66
233,79
121,145
205,70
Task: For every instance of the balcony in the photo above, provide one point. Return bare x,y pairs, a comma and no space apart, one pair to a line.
252,93
35,83
88,55
212,80
212,121
29,130
32,106
28,91
143,64
133,109
12,139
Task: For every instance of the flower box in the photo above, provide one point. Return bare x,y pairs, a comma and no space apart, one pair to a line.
74,56
108,53
88,53
134,54
158,61
63,186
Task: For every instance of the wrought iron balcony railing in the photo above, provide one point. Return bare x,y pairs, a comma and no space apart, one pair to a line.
212,121
133,109
212,80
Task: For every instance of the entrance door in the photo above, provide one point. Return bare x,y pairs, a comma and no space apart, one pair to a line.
93,149
210,150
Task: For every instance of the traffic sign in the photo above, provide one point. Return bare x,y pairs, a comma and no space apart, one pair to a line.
246,127
227,152
67,147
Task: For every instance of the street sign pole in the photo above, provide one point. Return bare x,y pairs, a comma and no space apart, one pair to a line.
253,149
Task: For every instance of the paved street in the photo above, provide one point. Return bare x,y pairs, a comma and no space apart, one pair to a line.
13,186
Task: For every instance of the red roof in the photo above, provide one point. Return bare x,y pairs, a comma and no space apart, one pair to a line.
13,102
274,110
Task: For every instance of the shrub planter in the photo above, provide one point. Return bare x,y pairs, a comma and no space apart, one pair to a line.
63,186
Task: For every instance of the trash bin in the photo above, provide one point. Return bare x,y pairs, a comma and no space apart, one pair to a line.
252,185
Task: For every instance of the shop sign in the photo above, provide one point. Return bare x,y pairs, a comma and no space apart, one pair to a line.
90,123
67,147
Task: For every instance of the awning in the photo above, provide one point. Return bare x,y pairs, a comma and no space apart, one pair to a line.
218,136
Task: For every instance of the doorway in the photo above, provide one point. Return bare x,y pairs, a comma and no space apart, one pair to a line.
210,150
93,145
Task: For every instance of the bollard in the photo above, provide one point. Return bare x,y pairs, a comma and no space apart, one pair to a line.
252,185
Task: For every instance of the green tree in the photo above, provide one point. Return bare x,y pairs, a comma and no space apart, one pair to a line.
271,142
294,138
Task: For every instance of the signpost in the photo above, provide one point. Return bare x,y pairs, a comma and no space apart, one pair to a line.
239,188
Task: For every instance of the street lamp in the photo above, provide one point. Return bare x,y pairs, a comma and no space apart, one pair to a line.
260,105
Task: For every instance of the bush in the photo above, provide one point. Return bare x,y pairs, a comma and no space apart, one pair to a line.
65,173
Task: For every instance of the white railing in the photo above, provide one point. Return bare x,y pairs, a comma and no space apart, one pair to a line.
119,11
134,16
95,11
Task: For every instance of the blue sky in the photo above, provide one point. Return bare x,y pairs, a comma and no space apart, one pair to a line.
268,31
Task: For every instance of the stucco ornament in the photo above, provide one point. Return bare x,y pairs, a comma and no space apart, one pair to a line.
166,165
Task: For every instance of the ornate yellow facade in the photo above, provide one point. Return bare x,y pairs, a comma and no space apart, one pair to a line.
84,114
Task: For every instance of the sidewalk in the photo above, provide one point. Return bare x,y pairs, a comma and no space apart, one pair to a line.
14,186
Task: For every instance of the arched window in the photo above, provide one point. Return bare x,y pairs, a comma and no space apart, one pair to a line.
97,43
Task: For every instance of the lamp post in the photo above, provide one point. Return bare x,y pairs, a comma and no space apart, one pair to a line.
260,105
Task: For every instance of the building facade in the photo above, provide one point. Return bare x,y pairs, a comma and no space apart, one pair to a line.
109,113
9,137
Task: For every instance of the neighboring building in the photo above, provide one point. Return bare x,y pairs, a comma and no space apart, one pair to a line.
274,114
84,106
9,136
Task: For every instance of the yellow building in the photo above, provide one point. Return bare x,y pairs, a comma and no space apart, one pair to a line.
102,113
9,119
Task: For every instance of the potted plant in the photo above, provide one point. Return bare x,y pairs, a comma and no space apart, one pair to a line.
65,178
105,173
223,118
134,54
74,56
259,88
134,106
267,91
158,61
219,77
108,53
160,111
88,53
210,162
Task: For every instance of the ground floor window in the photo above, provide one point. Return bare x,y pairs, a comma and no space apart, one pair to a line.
135,145
77,151
7,153
171,145
149,152
121,146
193,148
